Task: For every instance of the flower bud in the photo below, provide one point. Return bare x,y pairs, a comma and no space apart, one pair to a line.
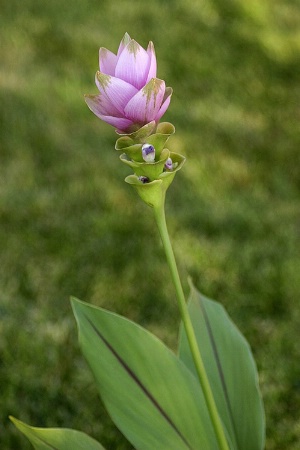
143,179
169,164
148,153
130,95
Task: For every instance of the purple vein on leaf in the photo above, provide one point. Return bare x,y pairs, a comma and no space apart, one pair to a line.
136,379
218,362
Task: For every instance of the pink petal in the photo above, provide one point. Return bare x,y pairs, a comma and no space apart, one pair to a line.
121,124
145,105
107,61
126,39
96,105
116,91
133,65
100,105
152,66
165,104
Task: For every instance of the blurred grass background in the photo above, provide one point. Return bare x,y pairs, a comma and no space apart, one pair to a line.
71,226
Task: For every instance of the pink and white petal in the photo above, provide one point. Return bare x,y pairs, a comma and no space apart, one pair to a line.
116,91
120,123
152,62
99,105
96,105
133,65
107,61
126,39
145,105
165,104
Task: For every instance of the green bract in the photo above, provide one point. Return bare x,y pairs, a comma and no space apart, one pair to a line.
131,144
149,170
150,179
153,193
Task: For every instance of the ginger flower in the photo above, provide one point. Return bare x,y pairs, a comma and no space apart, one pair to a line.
130,95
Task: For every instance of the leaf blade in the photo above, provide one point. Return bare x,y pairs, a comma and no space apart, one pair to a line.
231,370
56,438
162,404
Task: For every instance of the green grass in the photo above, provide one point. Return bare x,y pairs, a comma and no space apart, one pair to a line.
71,226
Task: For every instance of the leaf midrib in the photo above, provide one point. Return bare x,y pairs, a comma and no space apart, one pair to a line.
136,379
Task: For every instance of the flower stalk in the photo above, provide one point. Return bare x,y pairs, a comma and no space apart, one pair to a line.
159,214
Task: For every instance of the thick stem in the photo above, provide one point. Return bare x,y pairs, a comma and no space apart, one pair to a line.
159,213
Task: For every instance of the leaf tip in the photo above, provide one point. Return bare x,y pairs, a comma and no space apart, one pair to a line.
75,304
23,427
15,421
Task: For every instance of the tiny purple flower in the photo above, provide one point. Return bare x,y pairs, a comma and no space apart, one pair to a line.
130,95
144,179
148,153
169,164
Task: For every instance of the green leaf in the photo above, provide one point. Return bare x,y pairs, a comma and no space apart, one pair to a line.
150,394
231,370
57,438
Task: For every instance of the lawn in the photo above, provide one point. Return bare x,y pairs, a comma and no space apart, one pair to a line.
69,225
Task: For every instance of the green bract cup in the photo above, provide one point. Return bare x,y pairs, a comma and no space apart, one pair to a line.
150,170
153,192
131,144
151,178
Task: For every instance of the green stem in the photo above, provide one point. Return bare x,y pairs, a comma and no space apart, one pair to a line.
159,213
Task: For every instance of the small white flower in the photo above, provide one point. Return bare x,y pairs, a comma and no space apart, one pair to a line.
148,153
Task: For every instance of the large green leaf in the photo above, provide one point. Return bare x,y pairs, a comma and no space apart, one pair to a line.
57,438
231,370
149,392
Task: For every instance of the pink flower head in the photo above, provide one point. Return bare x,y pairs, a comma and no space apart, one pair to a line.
130,95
